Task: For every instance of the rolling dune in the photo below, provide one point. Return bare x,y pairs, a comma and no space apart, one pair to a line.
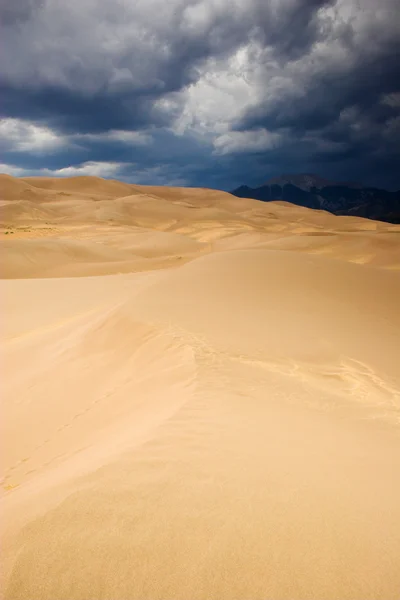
201,397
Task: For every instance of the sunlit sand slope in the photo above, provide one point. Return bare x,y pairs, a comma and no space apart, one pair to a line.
201,397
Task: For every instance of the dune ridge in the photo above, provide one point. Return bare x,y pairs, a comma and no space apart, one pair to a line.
201,396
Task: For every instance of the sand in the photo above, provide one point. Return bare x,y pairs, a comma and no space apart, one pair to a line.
201,397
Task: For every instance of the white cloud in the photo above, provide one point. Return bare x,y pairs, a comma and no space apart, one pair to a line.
98,169
247,141
17,135
392,100
14,171
223,89
131,138
22,136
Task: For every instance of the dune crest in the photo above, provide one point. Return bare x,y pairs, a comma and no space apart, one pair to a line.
201,396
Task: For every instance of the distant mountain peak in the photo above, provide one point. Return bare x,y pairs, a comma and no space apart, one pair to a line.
307,181
340,198
304,181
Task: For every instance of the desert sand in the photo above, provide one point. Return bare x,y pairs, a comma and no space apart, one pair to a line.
201,397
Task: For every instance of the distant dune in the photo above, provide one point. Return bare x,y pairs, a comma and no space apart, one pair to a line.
201,396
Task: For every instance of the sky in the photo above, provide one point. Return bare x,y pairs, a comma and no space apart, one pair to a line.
208,93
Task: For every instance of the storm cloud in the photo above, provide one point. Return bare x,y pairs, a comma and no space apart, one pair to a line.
212,93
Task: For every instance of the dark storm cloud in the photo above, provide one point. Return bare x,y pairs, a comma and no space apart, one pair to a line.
318,101
342,100
70,111
165,157
325,76
96,66
290,31
17,11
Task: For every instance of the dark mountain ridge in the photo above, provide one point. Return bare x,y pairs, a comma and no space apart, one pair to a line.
344,198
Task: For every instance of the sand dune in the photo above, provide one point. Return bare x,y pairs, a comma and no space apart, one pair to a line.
201,397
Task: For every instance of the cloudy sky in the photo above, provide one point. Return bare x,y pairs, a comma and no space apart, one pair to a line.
211,93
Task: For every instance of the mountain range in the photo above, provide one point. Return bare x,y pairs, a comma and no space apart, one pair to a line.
339,198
